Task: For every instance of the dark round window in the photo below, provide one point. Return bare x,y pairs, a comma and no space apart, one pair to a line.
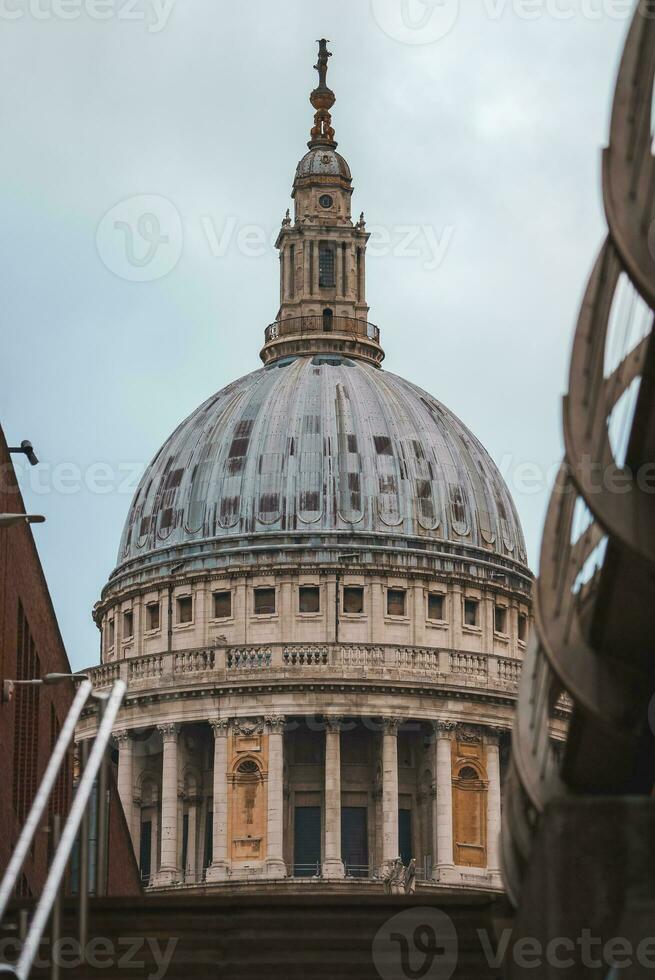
468,772
325,201
248,768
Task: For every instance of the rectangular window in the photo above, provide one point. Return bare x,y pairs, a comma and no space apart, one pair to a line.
145,850
185,609
435,606
222,605
309,599
306,841
500,619
523,627
110,633
471,607
128,624
354,840
326,265
396,601
152,616
264,602
292,271
353,599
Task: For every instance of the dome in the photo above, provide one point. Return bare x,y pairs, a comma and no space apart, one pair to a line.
316,445
321,583
323,161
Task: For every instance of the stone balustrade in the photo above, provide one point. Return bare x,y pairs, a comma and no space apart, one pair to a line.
450,668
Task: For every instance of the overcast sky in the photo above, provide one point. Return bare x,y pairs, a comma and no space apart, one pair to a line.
473,131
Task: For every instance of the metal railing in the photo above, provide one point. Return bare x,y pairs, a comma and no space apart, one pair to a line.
357,870
306,870
94,773
304,326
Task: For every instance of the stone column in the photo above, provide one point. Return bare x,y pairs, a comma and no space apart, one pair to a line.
390,790
275,866
493,802
352,272
219,868
126,779
168,869
332,863
444,857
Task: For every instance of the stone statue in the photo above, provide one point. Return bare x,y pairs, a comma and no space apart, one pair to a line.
398,879
410,878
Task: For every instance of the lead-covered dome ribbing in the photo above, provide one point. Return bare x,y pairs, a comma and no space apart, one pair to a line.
322,444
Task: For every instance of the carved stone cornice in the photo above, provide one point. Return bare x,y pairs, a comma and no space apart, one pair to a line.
169,731
220,726
334,723
122,737
445,729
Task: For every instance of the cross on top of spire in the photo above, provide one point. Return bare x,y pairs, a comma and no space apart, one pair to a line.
322,98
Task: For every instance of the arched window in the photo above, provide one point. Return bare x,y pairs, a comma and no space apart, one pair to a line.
470,815
468,772
248,768
327,321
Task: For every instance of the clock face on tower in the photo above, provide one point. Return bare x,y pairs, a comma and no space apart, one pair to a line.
325,201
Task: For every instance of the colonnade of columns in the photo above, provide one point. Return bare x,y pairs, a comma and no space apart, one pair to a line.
333,866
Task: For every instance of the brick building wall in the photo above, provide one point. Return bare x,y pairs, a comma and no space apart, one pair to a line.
31,646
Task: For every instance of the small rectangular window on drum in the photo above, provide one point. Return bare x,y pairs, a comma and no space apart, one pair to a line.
309,600
222,605
500,619
128,624
152,616
396,602
523,628
436,603
264,602
471,612
185,609
353,600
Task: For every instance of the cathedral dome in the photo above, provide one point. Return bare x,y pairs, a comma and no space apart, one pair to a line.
315,445
320,607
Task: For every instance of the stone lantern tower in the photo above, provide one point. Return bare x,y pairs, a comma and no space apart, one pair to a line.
322,252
